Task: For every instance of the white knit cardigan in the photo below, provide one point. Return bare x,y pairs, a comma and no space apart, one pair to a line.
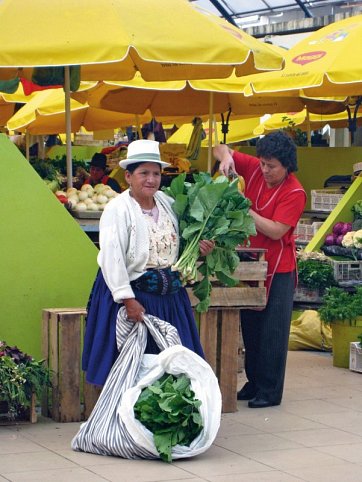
124,242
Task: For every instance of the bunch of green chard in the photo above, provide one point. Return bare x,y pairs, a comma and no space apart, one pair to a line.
210,209
169,409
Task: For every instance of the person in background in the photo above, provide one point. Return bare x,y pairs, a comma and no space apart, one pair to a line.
278,201
98,166
139,242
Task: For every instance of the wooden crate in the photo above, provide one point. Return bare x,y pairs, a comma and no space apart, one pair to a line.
70,399
30,415
219,327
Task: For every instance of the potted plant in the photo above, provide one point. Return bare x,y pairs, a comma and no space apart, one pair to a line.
21,378
343,310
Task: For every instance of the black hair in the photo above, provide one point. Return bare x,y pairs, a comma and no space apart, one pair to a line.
99,160
280,146
132,167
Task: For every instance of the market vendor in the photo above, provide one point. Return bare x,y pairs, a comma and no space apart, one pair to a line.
98,174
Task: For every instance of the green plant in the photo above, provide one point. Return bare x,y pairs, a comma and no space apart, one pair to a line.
20,376
341,306
315,274
169,409
214,210
299,137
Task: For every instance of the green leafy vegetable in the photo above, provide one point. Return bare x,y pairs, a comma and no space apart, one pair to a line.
339,305
357,209
169,409
214,210
315,274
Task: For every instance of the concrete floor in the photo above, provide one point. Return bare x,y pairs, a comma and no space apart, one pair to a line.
315,435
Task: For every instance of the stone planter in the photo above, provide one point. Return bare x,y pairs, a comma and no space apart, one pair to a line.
342,335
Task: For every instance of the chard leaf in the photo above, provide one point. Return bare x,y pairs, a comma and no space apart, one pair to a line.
172,416
180,204
226,280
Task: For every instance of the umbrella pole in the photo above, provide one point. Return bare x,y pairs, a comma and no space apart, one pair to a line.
309,137
27,145
68,126
211,114
138,127
215,132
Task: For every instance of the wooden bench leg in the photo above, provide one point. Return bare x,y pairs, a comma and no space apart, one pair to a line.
229,359
208,337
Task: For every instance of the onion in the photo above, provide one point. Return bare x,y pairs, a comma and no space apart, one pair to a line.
102,199
83,195
81,207
93,207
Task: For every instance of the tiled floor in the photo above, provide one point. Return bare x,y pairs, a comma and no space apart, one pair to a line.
315,435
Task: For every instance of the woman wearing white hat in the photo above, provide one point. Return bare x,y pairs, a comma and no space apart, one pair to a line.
139,243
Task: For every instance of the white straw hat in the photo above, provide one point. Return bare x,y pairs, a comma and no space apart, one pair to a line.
143,150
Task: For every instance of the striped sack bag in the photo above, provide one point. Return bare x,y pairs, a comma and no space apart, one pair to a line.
112,428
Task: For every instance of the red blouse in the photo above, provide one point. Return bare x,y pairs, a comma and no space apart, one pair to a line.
283,203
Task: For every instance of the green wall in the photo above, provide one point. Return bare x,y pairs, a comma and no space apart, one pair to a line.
46,260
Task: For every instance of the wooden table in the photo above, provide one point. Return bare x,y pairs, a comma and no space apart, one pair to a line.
220,325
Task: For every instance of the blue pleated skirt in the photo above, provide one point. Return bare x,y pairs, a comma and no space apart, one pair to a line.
100,348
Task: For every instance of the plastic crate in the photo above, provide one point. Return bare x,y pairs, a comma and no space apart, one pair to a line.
306,230
325,199
347,270
355,357
306,295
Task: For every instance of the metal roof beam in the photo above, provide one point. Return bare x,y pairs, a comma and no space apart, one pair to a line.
307,12
223,12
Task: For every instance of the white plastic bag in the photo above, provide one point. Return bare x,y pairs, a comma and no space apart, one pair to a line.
177,360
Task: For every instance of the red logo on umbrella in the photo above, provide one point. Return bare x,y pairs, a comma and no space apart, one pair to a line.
308,57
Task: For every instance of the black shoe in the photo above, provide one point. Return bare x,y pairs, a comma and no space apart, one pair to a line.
246,393
261,403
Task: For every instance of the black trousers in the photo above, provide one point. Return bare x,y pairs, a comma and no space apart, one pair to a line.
266,336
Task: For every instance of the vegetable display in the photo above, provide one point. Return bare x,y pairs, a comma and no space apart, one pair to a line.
214,210
169,409
20,376
88,198
339,305
315,274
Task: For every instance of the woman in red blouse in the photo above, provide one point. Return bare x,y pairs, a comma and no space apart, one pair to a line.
278,201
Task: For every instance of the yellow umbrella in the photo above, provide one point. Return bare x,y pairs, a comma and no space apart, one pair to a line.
113,38
45,114
239,130
303,121
8,103
326,62
190,98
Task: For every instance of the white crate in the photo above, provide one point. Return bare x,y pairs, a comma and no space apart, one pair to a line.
306,230
325,199
355,357
347,270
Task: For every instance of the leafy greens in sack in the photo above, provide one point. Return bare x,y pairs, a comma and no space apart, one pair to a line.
215,210
169,409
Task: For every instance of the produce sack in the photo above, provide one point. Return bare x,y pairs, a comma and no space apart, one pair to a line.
308,332
112,428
